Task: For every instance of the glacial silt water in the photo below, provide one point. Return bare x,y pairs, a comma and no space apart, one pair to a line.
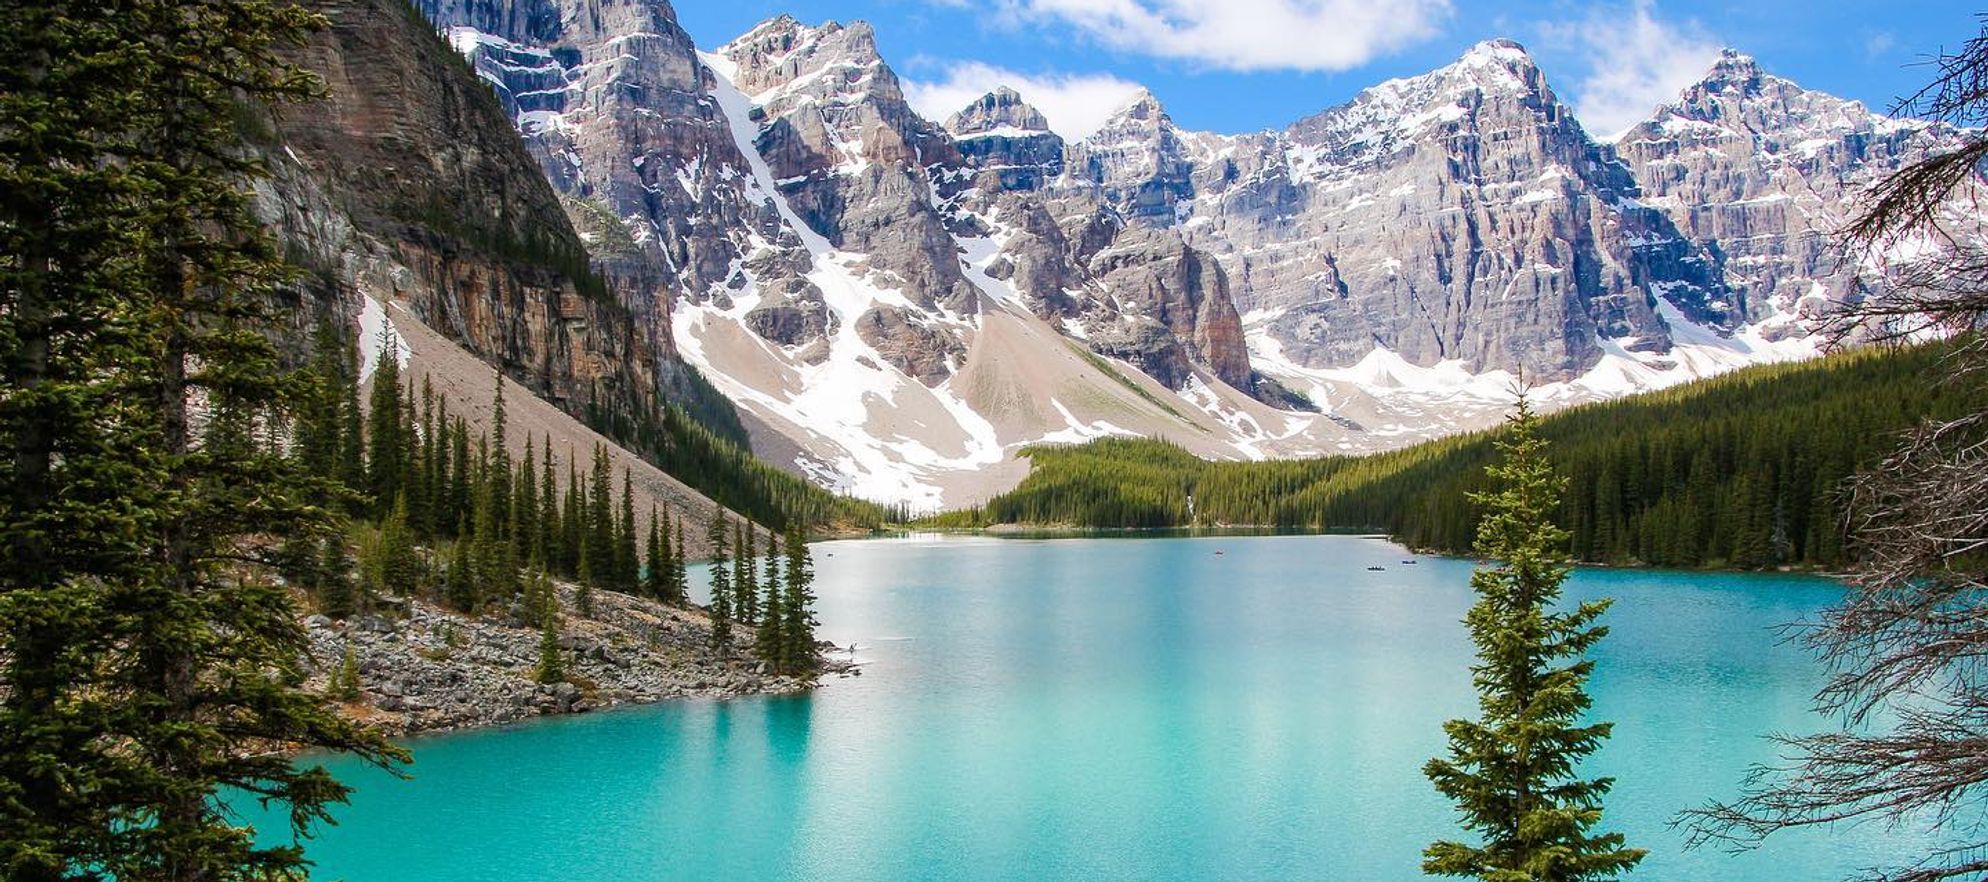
1195,709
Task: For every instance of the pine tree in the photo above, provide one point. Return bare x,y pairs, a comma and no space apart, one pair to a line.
583,592
499,462
337,596
442,513
486,534
767,643
655,575
461,497
1513,773
572,520
679,568
399,564
344,683
627,566
524,509
352,446
721,584
179,696
600,545
420,484
745,578
386,442
551,663
460,582
547,541
797,630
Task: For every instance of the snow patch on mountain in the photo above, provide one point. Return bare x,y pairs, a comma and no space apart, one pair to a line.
377,334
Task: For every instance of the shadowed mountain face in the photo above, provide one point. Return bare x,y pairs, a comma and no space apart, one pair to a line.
847,270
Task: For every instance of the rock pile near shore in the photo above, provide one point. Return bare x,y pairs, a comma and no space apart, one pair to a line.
429,668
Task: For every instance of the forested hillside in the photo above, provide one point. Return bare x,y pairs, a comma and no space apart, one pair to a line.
1738,471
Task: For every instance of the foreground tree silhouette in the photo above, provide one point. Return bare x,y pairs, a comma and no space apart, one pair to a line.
1513,774
1904,646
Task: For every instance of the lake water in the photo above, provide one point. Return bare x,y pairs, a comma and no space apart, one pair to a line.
1217,708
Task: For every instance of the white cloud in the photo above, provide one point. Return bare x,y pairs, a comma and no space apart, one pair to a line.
1310,35
1636,61
1075,104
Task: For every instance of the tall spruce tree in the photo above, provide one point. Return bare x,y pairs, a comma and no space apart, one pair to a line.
766,642
399,565
655,574
385,441
180,625
442,508
572,520
745,577
627,565
524,507
679,568
721,584
600,519
551,663
548,510
797,629
1514,772
499,475
459,585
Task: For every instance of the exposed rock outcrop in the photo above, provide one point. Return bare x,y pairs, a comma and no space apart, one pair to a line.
1764,173
406,184
431,669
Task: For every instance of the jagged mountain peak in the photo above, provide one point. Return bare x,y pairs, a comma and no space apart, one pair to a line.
784,33
1739,98
1733,65
1142,108
1385,117
1500,51
1000,111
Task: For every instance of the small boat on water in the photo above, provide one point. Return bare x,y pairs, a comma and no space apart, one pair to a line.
1377,569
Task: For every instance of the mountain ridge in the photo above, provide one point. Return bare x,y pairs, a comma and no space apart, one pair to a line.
1391,262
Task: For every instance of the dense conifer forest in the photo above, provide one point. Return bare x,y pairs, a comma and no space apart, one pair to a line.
1739,471
436,513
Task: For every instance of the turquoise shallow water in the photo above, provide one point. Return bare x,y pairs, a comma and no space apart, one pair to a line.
1109,709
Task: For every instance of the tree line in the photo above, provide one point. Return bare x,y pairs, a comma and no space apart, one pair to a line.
416,480
1741,470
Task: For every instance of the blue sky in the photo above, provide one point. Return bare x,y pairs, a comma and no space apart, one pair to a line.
1240,65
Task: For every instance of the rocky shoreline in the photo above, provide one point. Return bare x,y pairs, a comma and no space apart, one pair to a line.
427,668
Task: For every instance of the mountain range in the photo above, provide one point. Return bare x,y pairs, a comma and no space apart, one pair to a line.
896,306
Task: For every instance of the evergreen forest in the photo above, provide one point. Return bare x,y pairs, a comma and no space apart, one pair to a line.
1739,471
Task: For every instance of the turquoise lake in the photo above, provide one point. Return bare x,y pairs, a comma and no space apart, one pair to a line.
1211,708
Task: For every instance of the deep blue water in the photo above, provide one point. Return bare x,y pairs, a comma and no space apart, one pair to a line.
1110,709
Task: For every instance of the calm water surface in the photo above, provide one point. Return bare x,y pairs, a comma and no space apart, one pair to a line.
1109,709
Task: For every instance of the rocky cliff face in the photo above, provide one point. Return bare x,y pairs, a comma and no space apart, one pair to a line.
416,195
411,202
1764,173
613,103
1462,215
1004,144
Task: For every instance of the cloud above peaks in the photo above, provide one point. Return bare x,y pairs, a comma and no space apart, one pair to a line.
1246,35
1075,104
1635,61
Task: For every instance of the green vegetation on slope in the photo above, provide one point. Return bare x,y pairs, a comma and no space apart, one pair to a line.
1737,471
